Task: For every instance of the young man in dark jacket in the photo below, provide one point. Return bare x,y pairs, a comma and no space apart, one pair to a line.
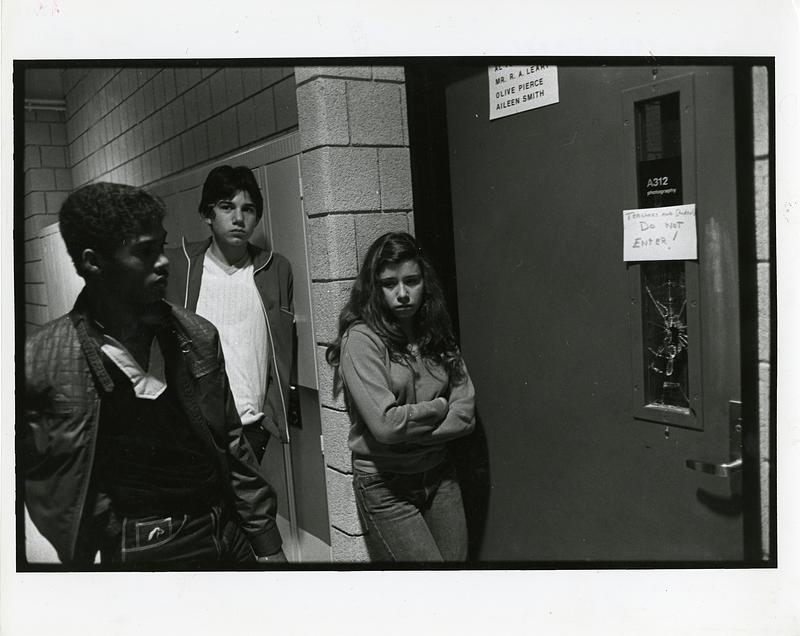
131,443
246,292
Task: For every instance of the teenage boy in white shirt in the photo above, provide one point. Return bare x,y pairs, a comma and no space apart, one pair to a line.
246,292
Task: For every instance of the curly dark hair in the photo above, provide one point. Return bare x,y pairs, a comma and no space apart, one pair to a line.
102,216
367,305
223,182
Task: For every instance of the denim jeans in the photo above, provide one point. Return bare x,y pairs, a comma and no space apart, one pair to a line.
186,541
413,518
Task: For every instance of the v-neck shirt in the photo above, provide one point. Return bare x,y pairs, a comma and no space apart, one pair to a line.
230,300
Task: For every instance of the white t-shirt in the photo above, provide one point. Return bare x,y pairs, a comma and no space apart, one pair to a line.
229,299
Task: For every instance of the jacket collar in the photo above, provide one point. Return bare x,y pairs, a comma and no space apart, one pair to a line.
88,328
261,257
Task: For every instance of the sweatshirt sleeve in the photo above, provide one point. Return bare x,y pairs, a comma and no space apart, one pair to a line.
460,418
368,383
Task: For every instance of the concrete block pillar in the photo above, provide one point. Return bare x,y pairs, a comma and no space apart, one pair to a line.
762,192
356,178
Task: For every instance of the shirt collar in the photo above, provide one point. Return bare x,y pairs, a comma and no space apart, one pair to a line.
243,262
147,384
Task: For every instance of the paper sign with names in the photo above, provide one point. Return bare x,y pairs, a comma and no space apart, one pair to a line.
514,89
660,234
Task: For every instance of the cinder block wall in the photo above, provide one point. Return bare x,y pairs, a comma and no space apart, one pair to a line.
47,182
139,125
136,126
764,257
356,186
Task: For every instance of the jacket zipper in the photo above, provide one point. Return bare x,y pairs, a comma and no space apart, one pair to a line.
275,364
272,346
188,272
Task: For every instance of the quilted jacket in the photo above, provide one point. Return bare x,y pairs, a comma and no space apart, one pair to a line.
64,382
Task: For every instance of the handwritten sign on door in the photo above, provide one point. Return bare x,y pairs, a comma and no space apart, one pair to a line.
660,234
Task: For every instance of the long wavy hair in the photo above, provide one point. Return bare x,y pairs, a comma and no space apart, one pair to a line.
432,325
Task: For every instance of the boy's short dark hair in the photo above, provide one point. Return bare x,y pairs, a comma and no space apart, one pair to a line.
101,216
223,182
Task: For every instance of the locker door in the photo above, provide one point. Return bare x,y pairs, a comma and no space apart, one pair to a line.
303,474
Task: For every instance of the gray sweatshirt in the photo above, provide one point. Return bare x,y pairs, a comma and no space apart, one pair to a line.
401,414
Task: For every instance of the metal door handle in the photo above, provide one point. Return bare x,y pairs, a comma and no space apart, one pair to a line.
718,470
735,430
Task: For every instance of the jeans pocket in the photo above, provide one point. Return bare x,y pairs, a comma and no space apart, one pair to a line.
370,483
383,495
369,479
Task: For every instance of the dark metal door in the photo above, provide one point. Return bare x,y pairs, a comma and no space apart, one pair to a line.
597,380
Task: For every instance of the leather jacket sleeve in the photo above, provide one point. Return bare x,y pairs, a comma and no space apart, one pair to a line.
56,437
